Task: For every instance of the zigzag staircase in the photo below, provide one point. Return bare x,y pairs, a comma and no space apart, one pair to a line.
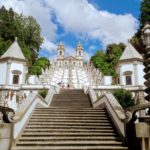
70,123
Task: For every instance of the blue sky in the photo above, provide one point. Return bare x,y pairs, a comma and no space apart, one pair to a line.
95,23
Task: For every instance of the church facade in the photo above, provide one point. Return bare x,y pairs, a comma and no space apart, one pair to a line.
71,69
70,61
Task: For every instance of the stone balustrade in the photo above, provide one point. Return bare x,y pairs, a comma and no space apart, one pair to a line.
101,90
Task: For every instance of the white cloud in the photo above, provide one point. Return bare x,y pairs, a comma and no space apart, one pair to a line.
48,45
38,10
87,56
92,47
69,50
82,18
77,16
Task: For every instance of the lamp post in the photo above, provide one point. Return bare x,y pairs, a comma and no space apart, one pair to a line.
146,42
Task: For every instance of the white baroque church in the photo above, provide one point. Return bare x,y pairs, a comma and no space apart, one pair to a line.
70,71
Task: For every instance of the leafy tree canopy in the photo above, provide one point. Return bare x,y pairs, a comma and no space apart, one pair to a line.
145,13
41,63
107,61
124,98
143,19
28,32
25,28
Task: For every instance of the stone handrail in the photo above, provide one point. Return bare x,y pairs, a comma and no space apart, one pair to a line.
51,93
114,109
131,111
26,108
24,87
89,90
101,90
7,114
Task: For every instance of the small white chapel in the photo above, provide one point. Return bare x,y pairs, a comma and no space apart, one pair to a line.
13,66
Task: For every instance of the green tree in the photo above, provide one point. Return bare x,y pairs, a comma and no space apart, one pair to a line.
145,13
107,61
25,28
32,32
143,19
41,63
124,98
29,37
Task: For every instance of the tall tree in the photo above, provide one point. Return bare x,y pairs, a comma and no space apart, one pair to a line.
143,19
107,61
145,13
29,37
25,28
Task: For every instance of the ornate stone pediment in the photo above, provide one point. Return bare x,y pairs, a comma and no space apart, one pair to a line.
70,58
16,72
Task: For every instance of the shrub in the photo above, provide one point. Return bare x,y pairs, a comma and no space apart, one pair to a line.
124,98
43,93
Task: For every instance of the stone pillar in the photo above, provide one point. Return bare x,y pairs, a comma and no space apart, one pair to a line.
24,74
136,82
120,75
8,73
6,135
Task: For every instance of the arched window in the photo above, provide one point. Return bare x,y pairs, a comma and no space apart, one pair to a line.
16,75
79,53
60,53
128,77
15,79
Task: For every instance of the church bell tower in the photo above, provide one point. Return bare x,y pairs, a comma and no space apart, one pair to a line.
79,54
60,54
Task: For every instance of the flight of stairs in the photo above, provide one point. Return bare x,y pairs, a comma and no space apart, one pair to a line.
69,124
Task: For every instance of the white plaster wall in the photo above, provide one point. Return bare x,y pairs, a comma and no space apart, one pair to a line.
107,80
19,67
3,70
124,68
140,74
33,79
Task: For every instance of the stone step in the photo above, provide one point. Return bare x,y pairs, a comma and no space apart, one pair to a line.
69,110
60,111
70,123
92,109
67,113
71,105
74,96
68,143
70,117
69,130
108,138
71,148
31,134
72,102
71,98
67,127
